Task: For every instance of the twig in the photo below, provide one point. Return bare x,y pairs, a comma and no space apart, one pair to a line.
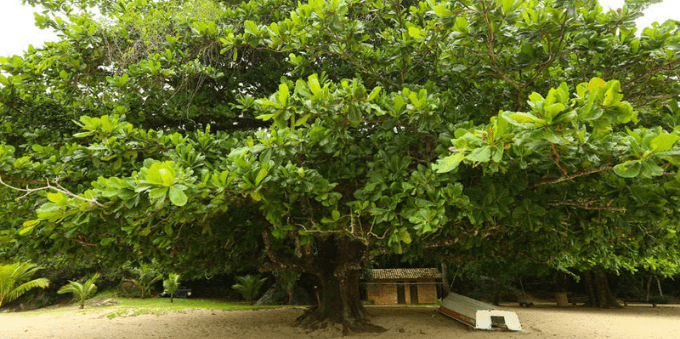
587,206
570,177
59,189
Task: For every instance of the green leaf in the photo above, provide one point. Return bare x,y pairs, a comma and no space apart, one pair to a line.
177,196
448,163
664,142
31,223
554,109
629,169
596,83
302,120
251,27
374,93
158,193
125,194
481,154
314,86
47,208
507,6
415,32
153,176
106,241
167,176
56,198
83,134
442,11
523,118
261,175
612,95
405,236
295,60
335,214
283,94
255,195
398,103
25,230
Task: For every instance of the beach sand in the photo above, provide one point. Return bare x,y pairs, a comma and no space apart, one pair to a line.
542,321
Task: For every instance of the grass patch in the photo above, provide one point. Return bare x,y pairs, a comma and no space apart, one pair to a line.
129,307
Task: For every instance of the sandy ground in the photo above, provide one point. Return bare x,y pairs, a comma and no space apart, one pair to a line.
636,321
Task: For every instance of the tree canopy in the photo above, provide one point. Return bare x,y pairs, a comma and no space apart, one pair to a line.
195,133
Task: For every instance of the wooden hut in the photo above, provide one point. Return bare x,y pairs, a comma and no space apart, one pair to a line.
403,286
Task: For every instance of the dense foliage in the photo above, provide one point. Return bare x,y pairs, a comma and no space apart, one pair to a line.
330,131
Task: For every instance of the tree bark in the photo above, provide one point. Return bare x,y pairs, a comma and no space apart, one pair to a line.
588,281
337,263
597,288
609,297
649,284
600,291
290,296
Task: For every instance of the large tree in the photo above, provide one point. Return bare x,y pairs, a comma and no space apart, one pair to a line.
329,131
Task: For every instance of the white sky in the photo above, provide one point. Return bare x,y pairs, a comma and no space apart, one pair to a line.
18,26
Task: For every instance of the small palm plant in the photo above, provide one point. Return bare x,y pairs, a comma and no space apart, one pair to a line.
14,280
146,276
80,291
171,284
248,286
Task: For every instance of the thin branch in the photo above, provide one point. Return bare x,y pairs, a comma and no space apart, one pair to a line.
587,206
570,177
323,231
59,189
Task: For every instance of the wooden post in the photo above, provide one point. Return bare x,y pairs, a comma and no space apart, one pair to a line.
445,281
658,284
649,283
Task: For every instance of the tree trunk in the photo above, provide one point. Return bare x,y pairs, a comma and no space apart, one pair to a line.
171,295
600,290
291,292
588,281
597,288
82,305
609,297
337,263
649,284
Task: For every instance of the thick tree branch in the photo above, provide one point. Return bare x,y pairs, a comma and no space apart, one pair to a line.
305,263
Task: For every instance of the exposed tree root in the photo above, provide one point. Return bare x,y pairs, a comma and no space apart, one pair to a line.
314,320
